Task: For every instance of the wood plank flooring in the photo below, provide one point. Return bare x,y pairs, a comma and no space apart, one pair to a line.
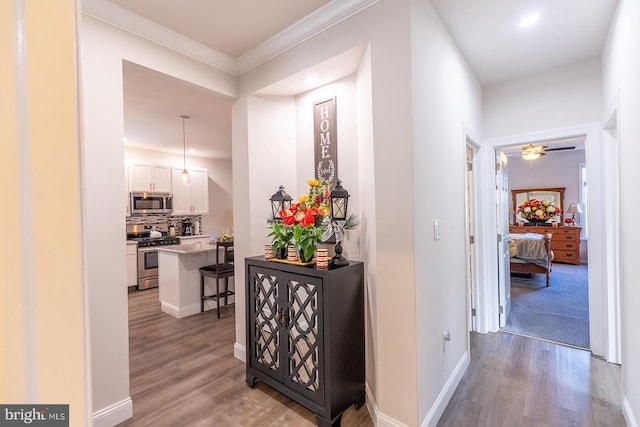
519,381
183,373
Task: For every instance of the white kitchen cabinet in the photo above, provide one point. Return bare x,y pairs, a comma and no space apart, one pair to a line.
192,198
149,178
132,264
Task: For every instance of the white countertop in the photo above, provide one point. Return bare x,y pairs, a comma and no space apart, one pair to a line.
199,236
195,248
132,242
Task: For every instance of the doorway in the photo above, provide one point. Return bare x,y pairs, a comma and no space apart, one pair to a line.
548,287
600,316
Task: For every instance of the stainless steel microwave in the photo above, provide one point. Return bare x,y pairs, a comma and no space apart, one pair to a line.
151,203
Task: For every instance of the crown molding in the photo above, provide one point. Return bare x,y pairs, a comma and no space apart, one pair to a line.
320,20
311,25
135,24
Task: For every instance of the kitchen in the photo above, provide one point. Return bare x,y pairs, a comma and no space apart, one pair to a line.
159,144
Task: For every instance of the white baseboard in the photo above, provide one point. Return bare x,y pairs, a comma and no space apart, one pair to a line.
447,391
189,310
240,352
379,419
628,414
114,414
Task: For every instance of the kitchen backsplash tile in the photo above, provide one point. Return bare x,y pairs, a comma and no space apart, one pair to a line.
163,220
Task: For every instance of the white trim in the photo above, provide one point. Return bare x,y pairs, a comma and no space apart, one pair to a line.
240,352
447,391
113,414
489,308
613,329
135,24
188,310
628,414
471,257
379,419
311,25
558,133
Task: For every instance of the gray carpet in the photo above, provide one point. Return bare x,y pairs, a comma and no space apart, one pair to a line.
558,313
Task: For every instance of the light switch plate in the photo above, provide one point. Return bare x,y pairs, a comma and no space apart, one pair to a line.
436,229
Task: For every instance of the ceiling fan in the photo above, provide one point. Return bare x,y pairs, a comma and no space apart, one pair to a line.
534,151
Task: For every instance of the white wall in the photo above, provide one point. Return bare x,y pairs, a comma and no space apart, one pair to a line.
385,26
446,96
621,67
569,95
344,90
403,115
566,101
561,169
103,49
220,183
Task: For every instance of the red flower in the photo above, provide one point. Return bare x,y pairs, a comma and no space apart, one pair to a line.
288,220
282,213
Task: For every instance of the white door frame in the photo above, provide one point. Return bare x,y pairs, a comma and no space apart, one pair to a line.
471,205
601,313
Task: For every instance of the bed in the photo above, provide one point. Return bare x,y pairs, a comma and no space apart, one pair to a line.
531,253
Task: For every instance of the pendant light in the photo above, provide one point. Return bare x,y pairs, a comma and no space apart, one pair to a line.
185,173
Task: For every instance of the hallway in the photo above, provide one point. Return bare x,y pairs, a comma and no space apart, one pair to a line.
518,381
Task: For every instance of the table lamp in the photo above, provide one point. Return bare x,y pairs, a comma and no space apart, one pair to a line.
573,209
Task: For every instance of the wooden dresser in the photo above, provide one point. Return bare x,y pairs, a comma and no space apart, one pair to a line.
565,241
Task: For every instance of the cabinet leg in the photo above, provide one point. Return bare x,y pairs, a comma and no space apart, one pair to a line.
359,403
322,422
251,380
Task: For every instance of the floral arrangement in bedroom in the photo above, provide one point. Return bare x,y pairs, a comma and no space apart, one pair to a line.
535,210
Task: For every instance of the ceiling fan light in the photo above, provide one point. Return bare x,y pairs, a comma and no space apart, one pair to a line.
530,155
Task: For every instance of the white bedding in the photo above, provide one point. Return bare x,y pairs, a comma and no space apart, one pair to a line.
529,247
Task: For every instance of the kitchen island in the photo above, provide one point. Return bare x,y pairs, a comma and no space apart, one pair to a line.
179,278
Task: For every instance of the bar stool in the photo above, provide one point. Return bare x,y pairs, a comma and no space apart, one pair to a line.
222,269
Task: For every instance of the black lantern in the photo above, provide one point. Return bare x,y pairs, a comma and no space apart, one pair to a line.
339,200
279,201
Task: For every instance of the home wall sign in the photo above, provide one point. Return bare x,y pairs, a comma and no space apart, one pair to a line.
325,140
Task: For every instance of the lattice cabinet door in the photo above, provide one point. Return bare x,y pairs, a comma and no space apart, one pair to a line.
302,338
265,316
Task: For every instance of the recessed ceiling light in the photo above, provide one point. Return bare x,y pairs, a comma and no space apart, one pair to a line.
529,20
124,139
311,79
192,150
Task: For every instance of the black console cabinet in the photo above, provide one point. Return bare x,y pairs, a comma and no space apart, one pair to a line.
305,334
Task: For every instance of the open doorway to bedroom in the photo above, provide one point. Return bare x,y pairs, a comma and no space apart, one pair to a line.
547,271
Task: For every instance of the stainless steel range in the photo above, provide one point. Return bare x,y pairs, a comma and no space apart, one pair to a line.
148,252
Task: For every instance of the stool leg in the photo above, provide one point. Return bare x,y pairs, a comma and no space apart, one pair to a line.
226,290
201,293
218,296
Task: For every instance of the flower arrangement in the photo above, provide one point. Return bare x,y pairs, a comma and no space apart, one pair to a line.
535,210
302,223
305,218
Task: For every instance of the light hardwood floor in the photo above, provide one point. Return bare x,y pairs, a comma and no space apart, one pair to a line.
183,373
519,381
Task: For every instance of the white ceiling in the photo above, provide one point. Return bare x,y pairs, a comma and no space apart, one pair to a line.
486,32
153,103
229,26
